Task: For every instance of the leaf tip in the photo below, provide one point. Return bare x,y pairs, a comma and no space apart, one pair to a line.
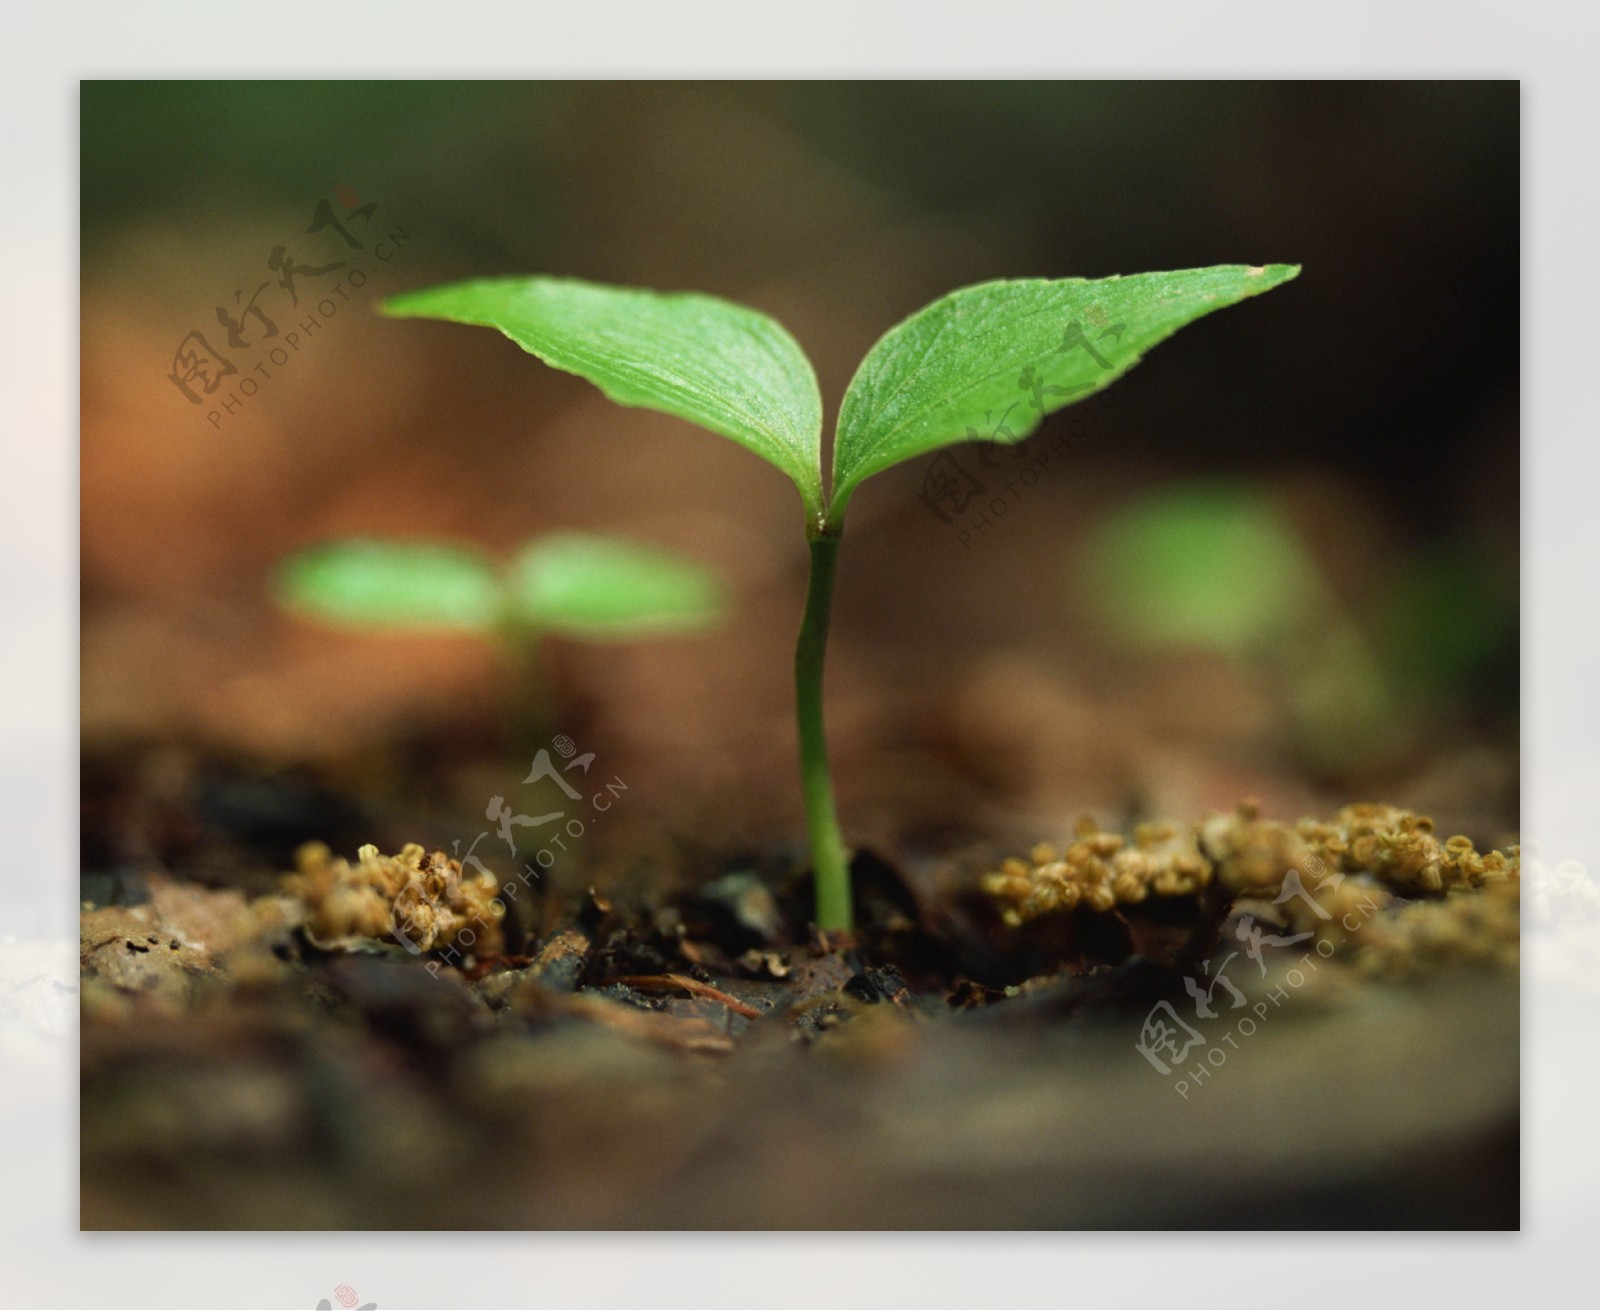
398,307
1273,274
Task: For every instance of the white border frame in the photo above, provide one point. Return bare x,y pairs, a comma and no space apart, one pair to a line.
45,1262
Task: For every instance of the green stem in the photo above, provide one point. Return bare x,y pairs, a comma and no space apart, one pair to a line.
828,860
531,718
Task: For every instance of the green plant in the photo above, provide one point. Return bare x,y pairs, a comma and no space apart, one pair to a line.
935,380
573,584
1212,565
567,584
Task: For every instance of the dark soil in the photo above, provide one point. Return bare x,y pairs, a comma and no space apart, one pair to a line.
675,1047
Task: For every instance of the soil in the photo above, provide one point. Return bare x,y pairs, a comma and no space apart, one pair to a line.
666,1043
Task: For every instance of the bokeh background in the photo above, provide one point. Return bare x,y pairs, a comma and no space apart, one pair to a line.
1280,562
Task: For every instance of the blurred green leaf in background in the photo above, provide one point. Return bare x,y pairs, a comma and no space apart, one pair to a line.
574,584
599,587
1214,566
1207,565
364,583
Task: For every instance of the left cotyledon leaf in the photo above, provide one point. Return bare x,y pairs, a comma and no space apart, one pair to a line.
370,584
725,367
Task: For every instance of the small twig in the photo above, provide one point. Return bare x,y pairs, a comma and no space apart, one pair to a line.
487,964
683,983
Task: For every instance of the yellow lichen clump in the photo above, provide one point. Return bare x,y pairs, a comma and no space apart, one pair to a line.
1254,854
1099,871
1400,848
1375,878
1337,909
1464,928
420,898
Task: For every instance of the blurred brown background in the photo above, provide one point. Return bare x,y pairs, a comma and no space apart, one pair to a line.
1362,422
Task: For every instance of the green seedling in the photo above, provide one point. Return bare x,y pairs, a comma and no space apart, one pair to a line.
1213,566
568,584
1014,349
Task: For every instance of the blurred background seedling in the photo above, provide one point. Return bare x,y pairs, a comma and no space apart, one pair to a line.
572,585
1220,567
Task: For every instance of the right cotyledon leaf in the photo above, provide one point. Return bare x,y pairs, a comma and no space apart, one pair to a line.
989,362
722,366
600,587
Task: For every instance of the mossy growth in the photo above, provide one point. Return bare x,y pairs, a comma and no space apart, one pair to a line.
1375,882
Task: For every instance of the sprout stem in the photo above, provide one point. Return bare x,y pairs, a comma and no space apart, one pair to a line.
532,715
828,860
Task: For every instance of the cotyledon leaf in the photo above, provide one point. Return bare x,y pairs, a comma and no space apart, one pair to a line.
360,583
1205,564
987,363
598,587
719,365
